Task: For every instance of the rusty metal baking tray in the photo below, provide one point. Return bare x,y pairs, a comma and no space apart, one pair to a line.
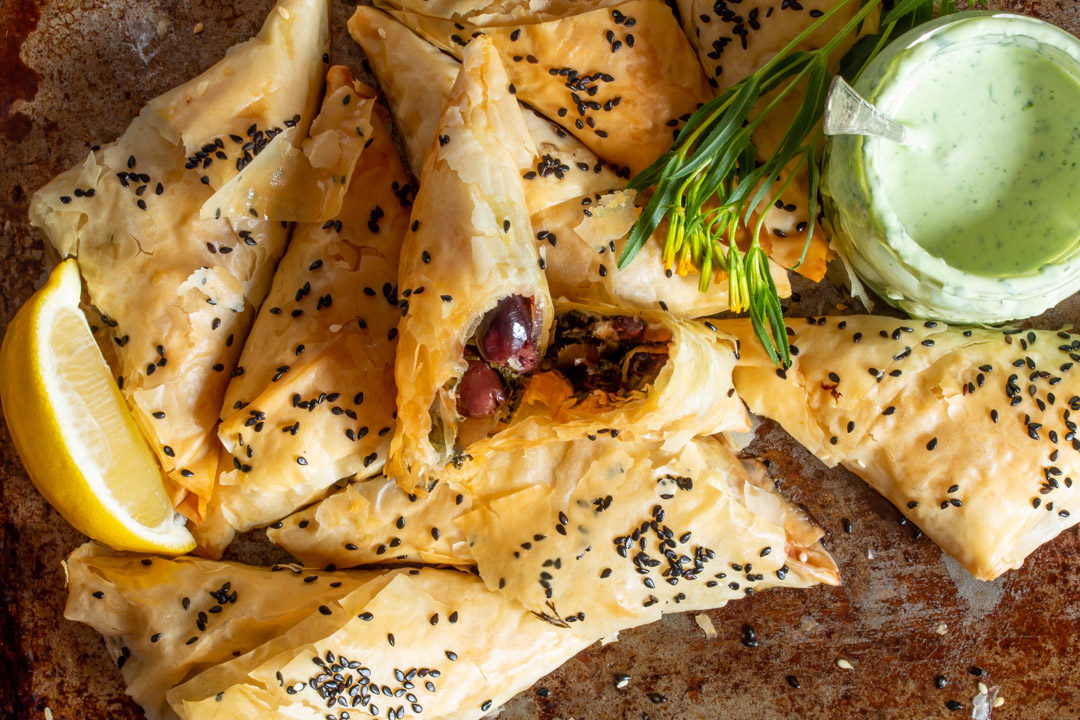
73,73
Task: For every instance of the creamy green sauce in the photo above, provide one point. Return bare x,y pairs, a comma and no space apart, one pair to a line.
992,186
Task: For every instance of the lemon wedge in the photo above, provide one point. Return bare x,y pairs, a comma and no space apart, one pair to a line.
73,430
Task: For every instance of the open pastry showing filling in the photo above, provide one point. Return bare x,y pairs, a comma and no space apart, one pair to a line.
614,355
598,360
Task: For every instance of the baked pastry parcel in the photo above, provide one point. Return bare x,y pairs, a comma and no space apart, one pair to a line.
561,512
621,79
575,199
417,78
599,535
473,294
970,433
735,40
166,619
410,643
223,639
178,291
313,397
582,240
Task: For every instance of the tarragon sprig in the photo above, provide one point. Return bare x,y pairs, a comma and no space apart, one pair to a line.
710,183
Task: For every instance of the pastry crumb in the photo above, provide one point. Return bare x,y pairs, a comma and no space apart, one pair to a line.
706,624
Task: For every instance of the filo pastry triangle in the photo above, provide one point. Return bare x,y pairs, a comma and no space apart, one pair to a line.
164,620
422,642
970,433
621,79
222,639
417,78
177,290
566,517
601,535
314,399
475,303
580,216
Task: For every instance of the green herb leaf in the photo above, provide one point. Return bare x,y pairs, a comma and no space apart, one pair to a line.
710,182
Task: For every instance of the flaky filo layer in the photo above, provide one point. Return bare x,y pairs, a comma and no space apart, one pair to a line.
409,643
164,620
577,204
222,639
600,535
316,399
469,246
621,79
375,522
969,432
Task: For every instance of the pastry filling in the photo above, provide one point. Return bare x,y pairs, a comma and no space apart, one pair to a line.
615,355
607,358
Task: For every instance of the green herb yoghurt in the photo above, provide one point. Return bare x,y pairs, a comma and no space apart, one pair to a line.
976,218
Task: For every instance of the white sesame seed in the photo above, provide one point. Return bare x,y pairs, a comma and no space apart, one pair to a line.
942,629
982,688
197,29
706,624
844,664
999,701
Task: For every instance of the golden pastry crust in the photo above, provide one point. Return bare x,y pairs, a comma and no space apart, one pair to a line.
375,522
149,609
437,640
566,181
315,401
582,240
968,432
417,78
580,532
618,78
469,246
131,215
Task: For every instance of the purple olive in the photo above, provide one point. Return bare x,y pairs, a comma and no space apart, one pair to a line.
506,335
481,391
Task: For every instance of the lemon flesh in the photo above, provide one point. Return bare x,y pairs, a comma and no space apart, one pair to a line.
73,430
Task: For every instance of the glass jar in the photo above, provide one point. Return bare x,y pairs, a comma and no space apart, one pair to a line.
975,218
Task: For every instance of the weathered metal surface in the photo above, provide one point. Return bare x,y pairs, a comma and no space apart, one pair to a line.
73,74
